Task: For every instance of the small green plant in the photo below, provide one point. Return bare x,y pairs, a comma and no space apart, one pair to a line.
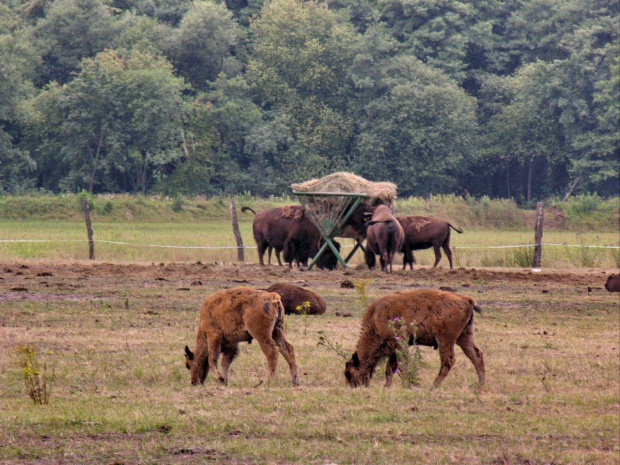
409,361
523,256
326,342
583,255
177,204
38,382
361,287
303,310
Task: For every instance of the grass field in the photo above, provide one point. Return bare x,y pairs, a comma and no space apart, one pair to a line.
214,241
114,336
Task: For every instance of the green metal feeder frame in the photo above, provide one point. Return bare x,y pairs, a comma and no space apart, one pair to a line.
329,211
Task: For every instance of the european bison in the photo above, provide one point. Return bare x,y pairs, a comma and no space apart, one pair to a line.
231,316
613,283
271,228
290,228
424,232
384,236
294,298
441,320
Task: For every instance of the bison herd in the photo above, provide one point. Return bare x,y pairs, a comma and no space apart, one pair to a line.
432,318
291,232
230,316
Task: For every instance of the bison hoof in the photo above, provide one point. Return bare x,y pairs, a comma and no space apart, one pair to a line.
296,381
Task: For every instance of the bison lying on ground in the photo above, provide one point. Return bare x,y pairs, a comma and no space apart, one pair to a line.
424,232
293,299
441,320
384,236
613,283
231,316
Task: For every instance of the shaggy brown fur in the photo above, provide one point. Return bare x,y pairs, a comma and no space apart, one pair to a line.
424,232
384,236
613,283
294,297
231,316
442,319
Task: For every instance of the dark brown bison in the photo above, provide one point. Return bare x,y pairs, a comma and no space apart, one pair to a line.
384,237
424,232
231,316
298,300
613,283
290,228
271,228
441,319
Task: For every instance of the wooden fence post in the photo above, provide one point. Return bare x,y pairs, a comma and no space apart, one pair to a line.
89,230
540,218
236,231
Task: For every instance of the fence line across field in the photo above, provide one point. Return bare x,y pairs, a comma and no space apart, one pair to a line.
545,244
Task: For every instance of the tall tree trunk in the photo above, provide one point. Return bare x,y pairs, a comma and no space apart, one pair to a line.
572,188
508,180
530,173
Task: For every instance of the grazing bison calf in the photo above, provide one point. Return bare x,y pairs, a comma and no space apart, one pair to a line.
384,236
293,299
441,320
424,232
613,283
231,316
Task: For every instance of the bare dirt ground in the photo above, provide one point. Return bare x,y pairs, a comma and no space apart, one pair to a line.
74,281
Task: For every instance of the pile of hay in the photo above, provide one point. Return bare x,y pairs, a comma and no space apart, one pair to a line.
343,182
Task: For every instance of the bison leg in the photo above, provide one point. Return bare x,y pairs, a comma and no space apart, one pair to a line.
446,355
288,352
214,353
408,258
261,247
269,250
446,249
229,353
390,368
369,255
200,364
268,346
437,250
466,343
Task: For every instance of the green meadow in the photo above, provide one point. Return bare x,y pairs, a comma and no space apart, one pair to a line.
213,240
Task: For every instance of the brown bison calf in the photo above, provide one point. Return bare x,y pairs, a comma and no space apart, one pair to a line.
613,283
231,316
294,297
441,320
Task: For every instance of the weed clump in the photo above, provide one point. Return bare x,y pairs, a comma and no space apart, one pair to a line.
409,361
38,382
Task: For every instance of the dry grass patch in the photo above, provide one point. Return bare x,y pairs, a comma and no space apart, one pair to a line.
122,393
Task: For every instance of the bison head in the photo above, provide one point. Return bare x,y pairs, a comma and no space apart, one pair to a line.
198,371
353,373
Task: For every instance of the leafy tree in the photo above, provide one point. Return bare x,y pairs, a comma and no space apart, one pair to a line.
118,122
299,67
527,130
17,62
204,42
420,133
71,31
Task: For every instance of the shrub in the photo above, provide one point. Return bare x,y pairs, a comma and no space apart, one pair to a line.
38,382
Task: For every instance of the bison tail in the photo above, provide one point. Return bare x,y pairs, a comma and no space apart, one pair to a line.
458,230
244,209
478,309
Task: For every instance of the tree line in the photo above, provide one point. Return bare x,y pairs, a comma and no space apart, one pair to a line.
513,98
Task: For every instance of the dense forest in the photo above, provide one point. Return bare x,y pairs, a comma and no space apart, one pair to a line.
513,99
